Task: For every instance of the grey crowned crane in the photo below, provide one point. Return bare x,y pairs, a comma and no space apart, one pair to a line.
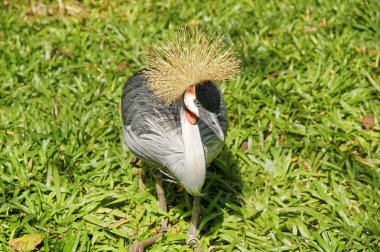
174,116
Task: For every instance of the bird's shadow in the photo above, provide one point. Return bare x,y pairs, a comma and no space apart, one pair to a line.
222,188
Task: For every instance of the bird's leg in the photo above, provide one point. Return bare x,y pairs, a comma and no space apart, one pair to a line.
140,246
138,171
135,162
193,238
161,202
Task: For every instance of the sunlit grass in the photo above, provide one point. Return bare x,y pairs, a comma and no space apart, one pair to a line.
300,170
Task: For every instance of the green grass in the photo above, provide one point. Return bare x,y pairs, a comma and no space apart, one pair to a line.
299,171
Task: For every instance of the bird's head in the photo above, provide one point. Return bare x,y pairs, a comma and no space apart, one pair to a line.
203,102
187,65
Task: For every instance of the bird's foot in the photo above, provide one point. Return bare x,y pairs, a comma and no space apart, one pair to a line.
165,226
137,247
140,246
193,240
195,243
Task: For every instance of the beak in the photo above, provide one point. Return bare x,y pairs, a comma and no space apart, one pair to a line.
212,122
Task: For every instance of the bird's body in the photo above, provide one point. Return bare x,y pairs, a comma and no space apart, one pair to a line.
174,116
155,132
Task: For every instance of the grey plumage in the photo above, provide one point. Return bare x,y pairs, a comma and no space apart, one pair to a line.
174,116
153,131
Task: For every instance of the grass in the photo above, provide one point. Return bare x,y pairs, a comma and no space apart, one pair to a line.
300,170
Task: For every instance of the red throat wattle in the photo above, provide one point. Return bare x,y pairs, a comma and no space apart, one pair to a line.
191,118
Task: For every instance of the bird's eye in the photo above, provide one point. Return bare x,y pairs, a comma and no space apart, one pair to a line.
196,102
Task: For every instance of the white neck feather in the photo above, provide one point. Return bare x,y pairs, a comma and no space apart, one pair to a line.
194,170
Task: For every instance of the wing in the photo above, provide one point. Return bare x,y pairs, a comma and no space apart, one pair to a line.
151,130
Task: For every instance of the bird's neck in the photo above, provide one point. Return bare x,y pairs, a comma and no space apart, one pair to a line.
194,171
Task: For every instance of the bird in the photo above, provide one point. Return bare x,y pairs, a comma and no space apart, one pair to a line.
174,115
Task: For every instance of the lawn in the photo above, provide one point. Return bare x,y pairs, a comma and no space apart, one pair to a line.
300,170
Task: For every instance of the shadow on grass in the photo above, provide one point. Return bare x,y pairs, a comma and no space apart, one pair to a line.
222,188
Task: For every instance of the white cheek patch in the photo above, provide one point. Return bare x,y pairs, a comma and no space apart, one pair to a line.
188,100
